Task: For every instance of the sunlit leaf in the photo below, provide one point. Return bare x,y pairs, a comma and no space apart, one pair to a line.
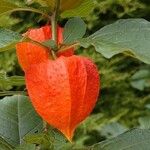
70,4
81,10
6,6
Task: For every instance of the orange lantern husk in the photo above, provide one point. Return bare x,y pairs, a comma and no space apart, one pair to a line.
63,91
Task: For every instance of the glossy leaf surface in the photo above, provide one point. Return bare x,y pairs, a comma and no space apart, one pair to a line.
18,119
129,36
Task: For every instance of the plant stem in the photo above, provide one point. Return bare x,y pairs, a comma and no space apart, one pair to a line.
45,124
54,19
63,48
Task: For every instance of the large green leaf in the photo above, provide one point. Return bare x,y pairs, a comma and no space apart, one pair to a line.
136,139
18,119
82,10
26,147
8,39
130,36
74,29
4,145
70,4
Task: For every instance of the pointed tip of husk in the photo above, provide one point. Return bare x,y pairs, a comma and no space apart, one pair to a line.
69,139
69,135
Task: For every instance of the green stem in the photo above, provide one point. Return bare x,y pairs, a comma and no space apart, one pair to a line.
63,48
54,55
45,124
54,29
54,19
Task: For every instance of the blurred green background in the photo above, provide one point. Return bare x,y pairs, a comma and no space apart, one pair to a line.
124,100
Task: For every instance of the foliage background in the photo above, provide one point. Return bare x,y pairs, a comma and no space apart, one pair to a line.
124,100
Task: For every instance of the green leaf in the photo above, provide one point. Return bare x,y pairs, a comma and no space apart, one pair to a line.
69,4
64,5
137,139
141,79
8,39
59,141
128,35
83,10
4,145
52,140
26,147
74,29
7,6
17,119
42,140
45,3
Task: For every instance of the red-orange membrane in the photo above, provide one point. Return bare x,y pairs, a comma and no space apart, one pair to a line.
29,53
63,91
